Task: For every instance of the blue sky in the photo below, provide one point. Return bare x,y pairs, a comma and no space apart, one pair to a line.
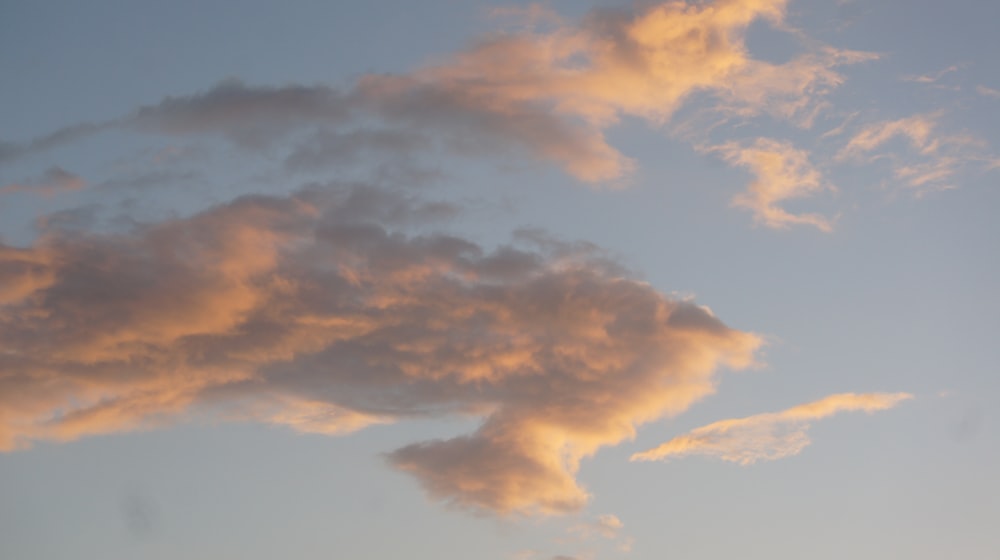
517,281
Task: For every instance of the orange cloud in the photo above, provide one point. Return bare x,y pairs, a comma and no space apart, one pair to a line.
766,437
325,312
548,89
933,159
557,90
782,172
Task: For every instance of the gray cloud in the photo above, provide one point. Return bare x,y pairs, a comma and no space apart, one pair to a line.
55,180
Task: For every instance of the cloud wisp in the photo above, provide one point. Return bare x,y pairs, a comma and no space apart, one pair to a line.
766,437
928,161
331,310
55,180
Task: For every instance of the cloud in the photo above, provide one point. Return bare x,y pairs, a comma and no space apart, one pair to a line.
766,437
558,90
333,309
782,172
988,92
608,526
10,151
329,148
933,158
252,117
548,89
932,78
55,180
917,129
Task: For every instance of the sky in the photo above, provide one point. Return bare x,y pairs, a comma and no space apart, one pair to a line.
578,280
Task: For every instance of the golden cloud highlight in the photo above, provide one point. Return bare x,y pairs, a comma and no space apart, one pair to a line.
766,437
557,90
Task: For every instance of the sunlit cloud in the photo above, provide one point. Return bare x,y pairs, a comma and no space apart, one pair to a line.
549,88
766,437
781,172
329,311
573,81
929,159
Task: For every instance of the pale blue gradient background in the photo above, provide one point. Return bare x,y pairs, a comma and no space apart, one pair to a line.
900,297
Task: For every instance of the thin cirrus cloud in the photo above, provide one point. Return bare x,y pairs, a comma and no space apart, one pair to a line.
328,311
766,437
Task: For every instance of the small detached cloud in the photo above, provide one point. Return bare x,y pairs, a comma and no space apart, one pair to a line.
929,159
54,181
607,526
766,437
932,78
781,173
988,92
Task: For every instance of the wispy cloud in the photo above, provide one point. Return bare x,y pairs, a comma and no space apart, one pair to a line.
933,158
917,129
10,151
988,91
584,78
55,180
932,78
607,526
781,173
766,437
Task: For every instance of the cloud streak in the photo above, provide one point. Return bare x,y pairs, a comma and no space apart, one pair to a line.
766,437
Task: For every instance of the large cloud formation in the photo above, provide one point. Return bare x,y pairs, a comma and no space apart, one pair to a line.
551,90
548,91
769,436
333,309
